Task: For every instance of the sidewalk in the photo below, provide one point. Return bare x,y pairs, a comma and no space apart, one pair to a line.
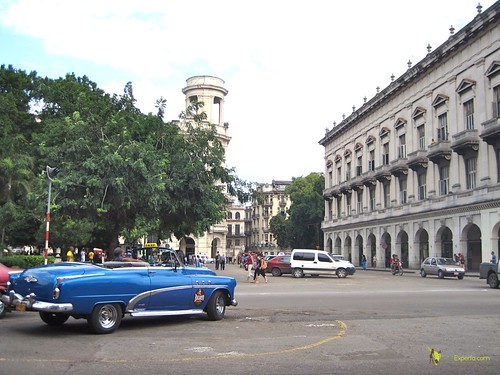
408,270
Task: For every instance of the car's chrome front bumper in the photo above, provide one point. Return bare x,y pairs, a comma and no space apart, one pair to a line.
13,300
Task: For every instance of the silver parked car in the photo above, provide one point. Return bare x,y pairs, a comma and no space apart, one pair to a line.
441,267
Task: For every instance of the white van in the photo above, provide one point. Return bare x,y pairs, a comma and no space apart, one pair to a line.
318,262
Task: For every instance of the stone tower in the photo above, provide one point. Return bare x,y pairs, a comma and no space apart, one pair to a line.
209,90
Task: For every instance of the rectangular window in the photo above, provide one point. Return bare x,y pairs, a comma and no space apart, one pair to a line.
237,229
359,166
348,203
470,172
360,201
339,175
236,242
421,137
442,134
339,206
497,152
229,229
469,114
402,190
496,101
372,198
348,171
444,180
387,194
422,187
385,154
371,160
402,146
330,179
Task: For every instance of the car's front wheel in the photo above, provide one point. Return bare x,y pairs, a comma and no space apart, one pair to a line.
53,319
105,318
422,273
441,274
493,281
3,310
460,277
276,271
298,273
341,273
216,306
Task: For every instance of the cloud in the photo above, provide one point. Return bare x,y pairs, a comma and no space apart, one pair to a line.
292,68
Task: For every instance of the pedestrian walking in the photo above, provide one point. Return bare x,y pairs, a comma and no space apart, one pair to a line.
217,261
222,262
260,269
70,254
249,267
363,262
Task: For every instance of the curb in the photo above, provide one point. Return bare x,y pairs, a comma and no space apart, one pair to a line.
470,274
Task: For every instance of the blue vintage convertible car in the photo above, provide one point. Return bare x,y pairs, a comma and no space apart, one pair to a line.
104,293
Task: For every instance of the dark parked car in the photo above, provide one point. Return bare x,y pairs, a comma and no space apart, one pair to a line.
103,294
279,265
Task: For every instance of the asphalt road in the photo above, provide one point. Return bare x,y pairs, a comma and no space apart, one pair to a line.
369,323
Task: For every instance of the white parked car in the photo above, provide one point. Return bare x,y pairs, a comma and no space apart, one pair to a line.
319,262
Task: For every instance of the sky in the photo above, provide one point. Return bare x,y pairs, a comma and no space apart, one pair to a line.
292,68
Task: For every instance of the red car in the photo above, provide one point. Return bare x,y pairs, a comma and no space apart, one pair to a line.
4,277
279,265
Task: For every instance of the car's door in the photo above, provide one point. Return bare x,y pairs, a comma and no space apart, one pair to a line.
284,264
171,289
432,267
325,264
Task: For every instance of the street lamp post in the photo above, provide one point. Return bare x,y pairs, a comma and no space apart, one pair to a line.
51,173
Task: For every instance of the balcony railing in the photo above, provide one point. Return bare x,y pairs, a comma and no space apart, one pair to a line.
465,140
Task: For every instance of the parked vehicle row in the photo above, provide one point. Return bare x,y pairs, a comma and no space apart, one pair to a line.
317,262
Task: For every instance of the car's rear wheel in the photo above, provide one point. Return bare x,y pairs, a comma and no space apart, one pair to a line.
422,273
341,273
276,271
298,273
493,281
105,318
3,310
53,319
216,306
441,274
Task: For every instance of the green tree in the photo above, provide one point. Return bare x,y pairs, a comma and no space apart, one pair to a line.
303,226
121,172
16,152
121,169
280,227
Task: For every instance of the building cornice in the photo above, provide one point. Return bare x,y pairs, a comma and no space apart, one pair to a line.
445,51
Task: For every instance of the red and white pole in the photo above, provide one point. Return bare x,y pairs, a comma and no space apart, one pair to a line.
47,228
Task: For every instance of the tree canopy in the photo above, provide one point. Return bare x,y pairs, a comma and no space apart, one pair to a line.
122,172
302,227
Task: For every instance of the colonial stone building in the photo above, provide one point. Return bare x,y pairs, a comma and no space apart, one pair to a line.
235,237
416,170
271,201
211,91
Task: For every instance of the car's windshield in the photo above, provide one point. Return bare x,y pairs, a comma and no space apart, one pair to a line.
446,261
